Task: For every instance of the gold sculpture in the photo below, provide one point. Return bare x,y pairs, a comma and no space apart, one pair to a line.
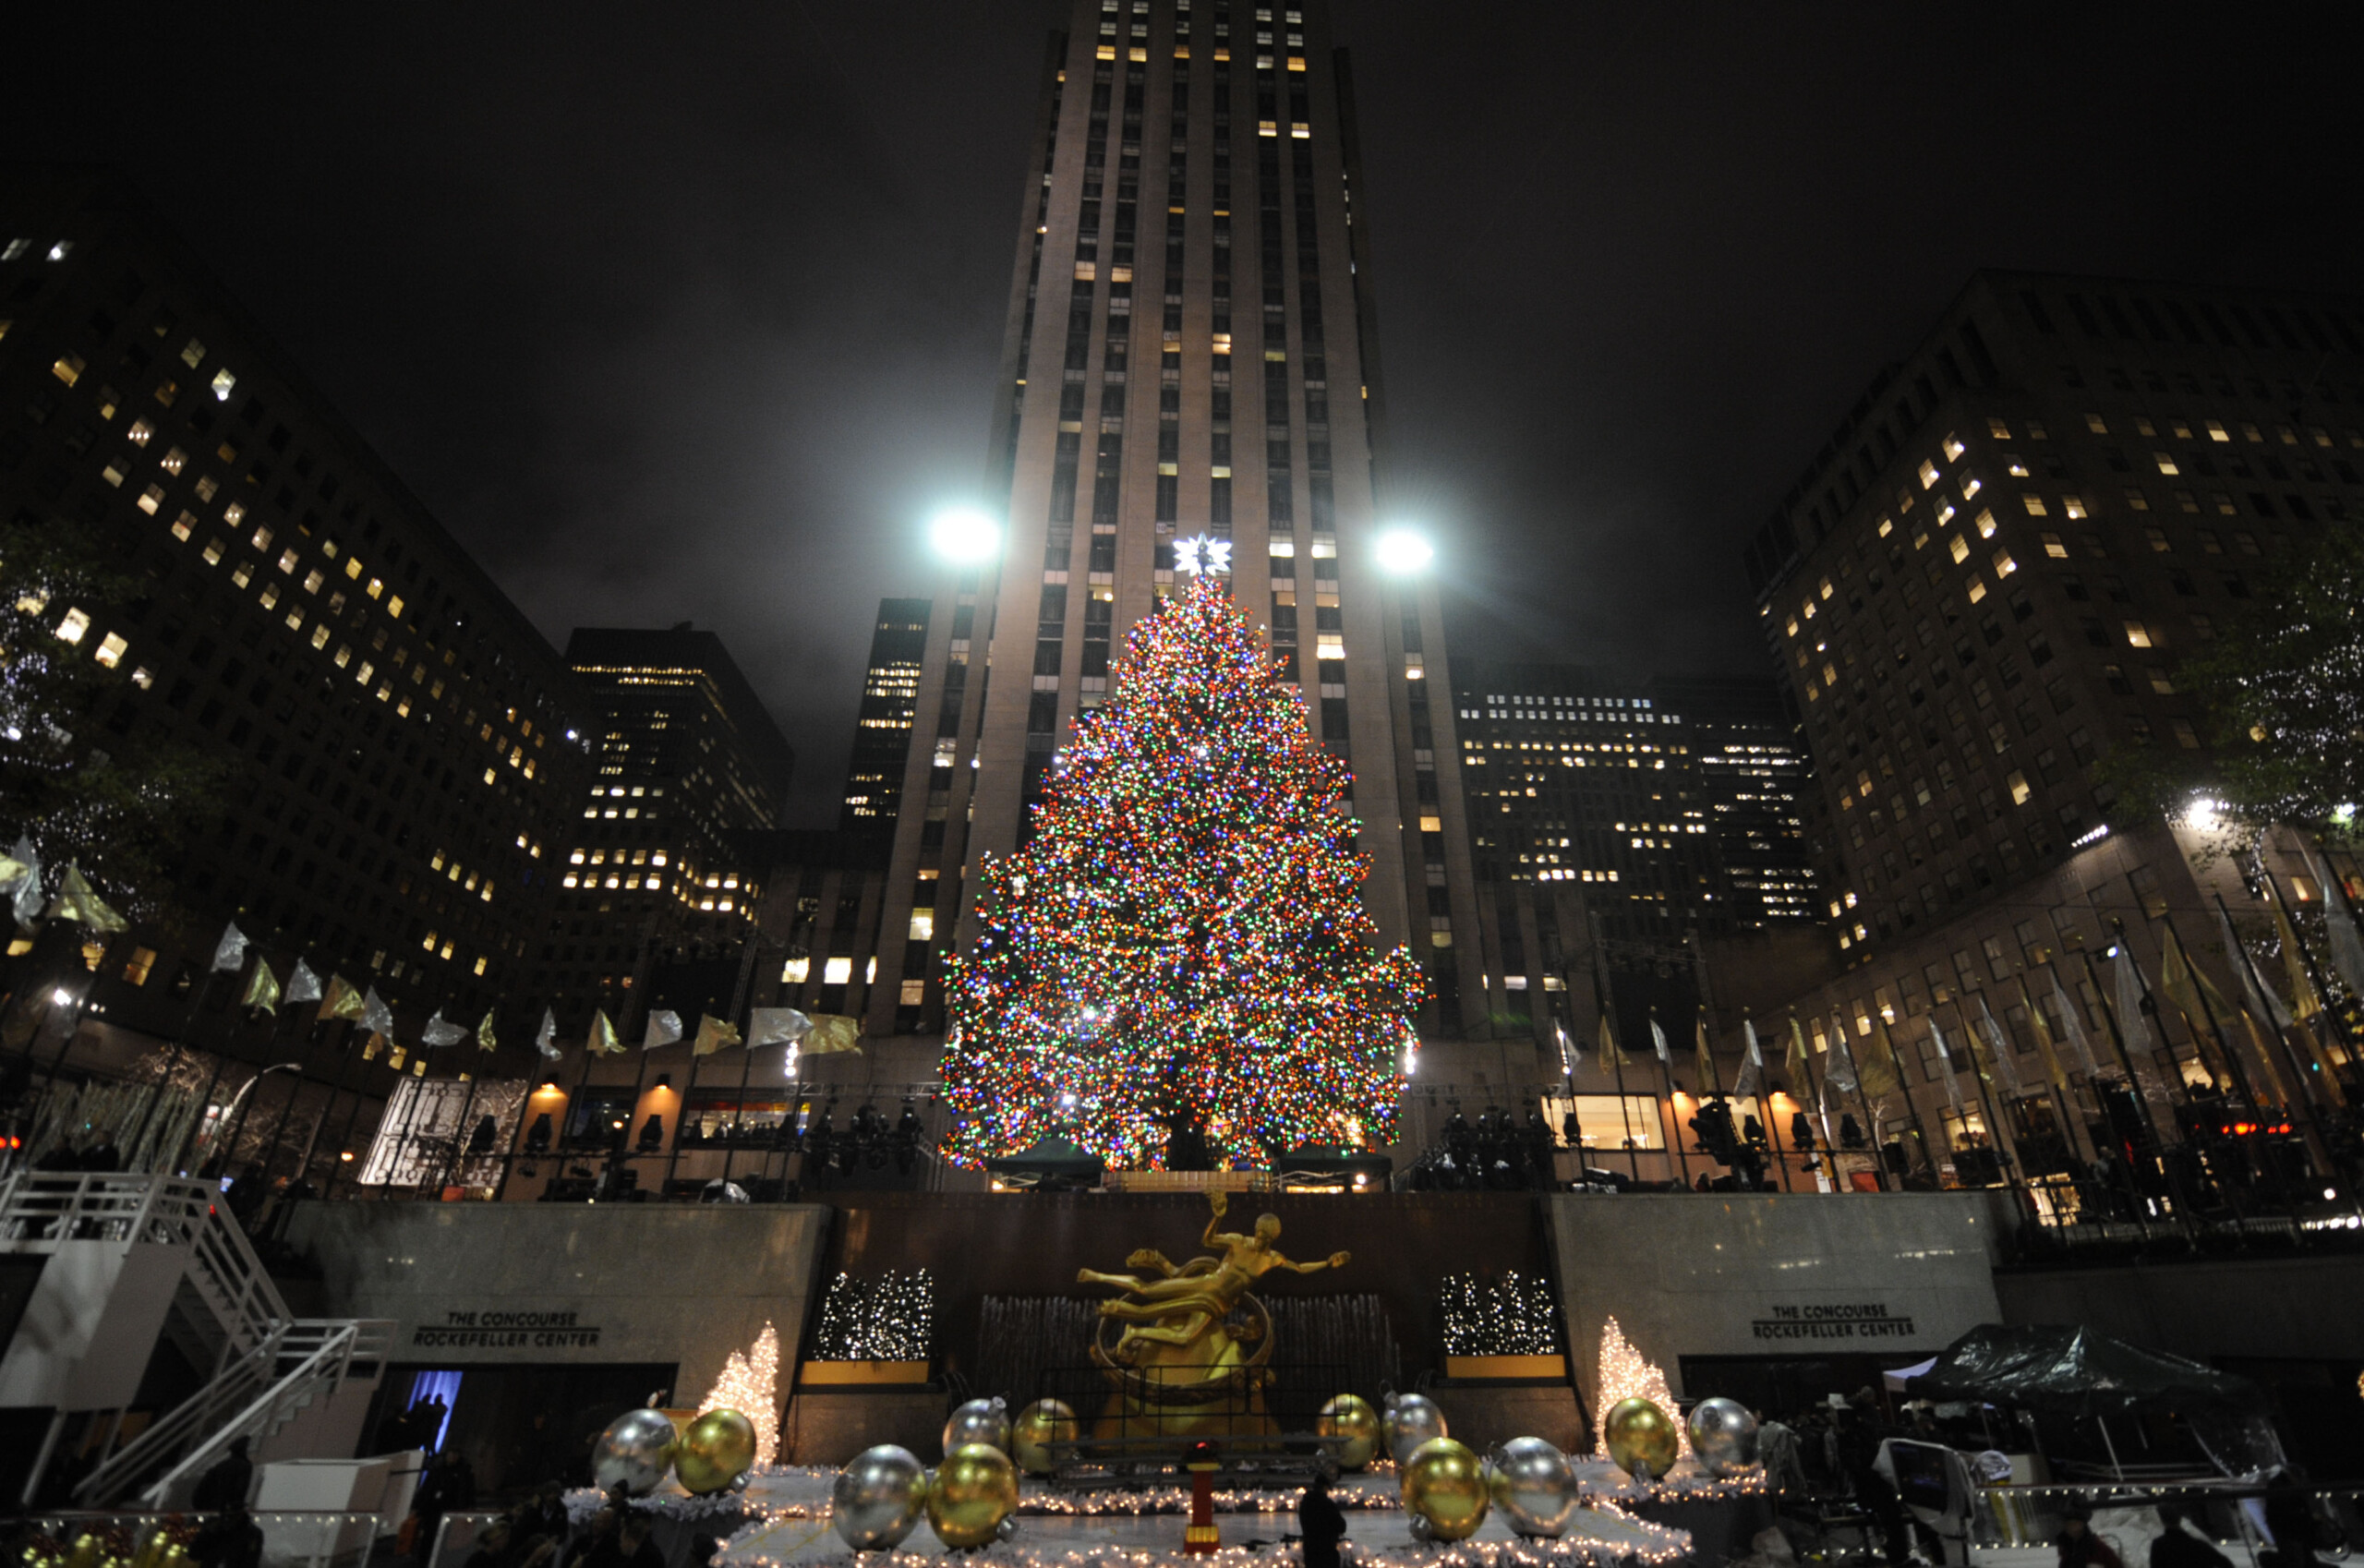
1182,1360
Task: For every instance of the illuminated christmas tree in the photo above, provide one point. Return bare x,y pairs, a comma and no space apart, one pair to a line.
1624,1375
1175,971
750,1385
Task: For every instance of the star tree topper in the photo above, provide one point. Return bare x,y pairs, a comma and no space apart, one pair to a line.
1202,555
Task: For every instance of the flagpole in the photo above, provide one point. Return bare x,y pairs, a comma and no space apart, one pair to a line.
1863,1099
2318,1153
2062,1087
1911,1105
1666,1075
1773,1127
1813,1089
2008,1156
459,1139
295,1093
245,1107
171,1060
2224,1047
2165,1046
2315,973
1602,996
2125,1056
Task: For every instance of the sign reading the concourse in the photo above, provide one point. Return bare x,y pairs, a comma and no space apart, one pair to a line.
506,1329
1853,1319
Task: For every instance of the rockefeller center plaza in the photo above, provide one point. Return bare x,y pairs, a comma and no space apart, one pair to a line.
759,807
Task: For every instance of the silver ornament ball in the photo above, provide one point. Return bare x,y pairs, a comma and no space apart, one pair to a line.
1534,1486
1723,1434
1411,1419
979,1421
879,1498
634,1453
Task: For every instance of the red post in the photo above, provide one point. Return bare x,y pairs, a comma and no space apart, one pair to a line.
1201,1537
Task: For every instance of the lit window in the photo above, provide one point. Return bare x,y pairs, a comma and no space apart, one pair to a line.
2020,790
320,635
795,971
213,552
2166,462
222,382
2053,547
2033,502
835,971
2137,634
1928,474
2073,505
1986,524
1954,448
71,629
1997,428
1961,549
2004,565
193,355
69,368
922,924
150,500
2096,424
914,992
312,580
143,677
111,649
2217,431
140,431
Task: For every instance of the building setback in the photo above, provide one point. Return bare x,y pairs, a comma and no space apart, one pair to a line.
401,736
664,868
1983,585
1190,352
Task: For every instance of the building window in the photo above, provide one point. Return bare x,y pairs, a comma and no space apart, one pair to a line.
1605,1121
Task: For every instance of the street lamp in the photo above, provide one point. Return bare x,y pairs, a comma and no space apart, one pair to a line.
1402,552
965,536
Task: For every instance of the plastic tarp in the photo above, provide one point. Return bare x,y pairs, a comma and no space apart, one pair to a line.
2054,1368
1897,1378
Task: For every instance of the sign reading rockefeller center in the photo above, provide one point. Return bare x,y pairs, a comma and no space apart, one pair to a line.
1853,1319
506,1330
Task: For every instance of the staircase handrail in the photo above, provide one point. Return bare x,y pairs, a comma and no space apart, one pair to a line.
226,1390
329,1363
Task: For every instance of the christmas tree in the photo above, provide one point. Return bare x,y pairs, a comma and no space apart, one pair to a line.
750,1385
1175,969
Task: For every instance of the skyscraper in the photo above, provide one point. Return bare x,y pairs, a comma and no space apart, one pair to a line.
882,736
664,867
1983,585
398,732
1189,353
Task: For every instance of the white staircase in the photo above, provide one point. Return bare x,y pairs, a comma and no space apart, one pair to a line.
136,1257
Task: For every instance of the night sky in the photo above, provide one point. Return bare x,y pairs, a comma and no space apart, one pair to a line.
693,311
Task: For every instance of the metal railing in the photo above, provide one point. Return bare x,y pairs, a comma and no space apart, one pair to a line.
255,1396
41,1210
2236,1516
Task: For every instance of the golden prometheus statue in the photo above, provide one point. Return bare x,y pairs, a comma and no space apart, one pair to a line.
1191,1359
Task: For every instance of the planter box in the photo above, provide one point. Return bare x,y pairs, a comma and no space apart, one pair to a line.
841,1374
1554,1367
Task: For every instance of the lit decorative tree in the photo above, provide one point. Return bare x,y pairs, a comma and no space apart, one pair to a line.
79,776
1177,970
750,1385
1624,1375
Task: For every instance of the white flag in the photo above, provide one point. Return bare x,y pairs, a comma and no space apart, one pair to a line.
1839,1067
439,1032
1945,1065
2347,947
1657,1039
664,1028
2007,1071
2131,1023
230,953
777,1026
546,1041
2076,1029
376,1016
2263,1001
302,985
1752,1071
24,896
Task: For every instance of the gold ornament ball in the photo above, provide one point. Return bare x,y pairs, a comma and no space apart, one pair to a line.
1043,1422
1637,1432
716,1450
1445,1483
1351,1417
971,1493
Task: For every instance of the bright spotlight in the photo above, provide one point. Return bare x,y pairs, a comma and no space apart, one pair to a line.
1402,552
2202,814
964,536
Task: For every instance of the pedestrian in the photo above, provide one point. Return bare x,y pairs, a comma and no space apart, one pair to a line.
1854,1450
1318,1522
227,1483
2178,1547
629,1547
2290,1520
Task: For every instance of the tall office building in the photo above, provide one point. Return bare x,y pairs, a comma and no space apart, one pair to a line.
665,866
399,735
1190,352
1754,775
1982,584
882,736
